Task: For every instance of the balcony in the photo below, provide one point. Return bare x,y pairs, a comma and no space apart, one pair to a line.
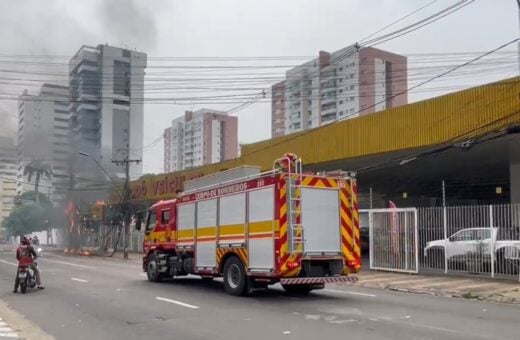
328,109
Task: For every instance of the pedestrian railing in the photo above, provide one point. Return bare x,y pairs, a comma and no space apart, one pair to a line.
477,240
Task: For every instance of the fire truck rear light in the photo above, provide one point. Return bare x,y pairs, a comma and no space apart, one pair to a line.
352,264
292,265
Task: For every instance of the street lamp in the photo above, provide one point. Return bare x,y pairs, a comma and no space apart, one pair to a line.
98,164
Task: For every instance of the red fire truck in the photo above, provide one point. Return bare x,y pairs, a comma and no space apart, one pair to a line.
301,230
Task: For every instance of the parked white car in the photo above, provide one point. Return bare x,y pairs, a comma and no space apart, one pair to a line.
471,240
475,241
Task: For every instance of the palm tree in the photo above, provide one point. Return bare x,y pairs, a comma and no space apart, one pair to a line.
37,169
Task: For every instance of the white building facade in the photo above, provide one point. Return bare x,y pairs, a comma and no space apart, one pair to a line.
43,135
107,91
344,84
8,166
198,138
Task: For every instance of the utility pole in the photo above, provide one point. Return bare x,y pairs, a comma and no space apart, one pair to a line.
518,4
126,197
443,193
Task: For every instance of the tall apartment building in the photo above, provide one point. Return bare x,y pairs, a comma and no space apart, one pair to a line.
8,166
200,137
107,90
278,109
43,134
348,83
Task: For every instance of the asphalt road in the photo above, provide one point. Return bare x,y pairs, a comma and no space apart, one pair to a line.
94,298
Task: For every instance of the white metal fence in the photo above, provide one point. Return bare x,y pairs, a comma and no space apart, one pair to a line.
393,239
481,240
108,238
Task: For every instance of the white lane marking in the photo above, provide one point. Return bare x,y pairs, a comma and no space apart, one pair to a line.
312,317
348,292
177,302
79,280
71,264
6,330
287,332
7,262
343,321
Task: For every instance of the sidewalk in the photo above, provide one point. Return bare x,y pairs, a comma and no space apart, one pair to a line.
15,326
462,287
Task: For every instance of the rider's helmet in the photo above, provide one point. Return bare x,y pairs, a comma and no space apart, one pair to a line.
25,241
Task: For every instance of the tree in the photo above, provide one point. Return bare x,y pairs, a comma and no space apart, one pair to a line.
30,196
37,169
26,219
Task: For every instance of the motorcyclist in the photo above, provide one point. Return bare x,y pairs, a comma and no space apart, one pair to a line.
26,255
35,240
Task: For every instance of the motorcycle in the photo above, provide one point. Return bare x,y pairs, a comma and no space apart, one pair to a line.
26,275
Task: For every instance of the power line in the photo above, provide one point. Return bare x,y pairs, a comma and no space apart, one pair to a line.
307,132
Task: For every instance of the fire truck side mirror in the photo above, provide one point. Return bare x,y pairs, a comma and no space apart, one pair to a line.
138,221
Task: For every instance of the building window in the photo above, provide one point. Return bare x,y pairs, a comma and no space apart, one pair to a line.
340,90
340,102
351,99
352,87
352,76
340,80
341,69
341,113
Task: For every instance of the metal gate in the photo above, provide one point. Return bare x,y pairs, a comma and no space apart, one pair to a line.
393,239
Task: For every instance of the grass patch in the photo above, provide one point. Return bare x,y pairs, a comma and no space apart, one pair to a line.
469,295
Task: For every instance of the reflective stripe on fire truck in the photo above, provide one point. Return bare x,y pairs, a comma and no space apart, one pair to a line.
286,258
357,246
318,280
240,252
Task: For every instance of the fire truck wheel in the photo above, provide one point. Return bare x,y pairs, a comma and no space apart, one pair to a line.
152,270
235,278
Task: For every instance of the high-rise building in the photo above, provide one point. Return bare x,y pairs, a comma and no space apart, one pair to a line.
201,137
278,109
8,161
344,84
43,135
106,91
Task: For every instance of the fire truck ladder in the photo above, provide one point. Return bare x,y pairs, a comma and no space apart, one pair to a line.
294,183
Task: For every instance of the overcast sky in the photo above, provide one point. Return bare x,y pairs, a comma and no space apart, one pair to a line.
238,28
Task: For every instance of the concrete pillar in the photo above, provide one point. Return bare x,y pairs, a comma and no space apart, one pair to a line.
514,173
514,169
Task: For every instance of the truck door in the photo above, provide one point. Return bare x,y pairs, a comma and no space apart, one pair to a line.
165,225
206,234
321,220
151,222
260,229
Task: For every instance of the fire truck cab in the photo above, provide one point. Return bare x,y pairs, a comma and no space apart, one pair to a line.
256,229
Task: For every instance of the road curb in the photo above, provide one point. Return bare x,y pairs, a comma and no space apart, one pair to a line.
23,327
496,297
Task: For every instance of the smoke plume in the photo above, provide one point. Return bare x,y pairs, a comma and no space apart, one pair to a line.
129,24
